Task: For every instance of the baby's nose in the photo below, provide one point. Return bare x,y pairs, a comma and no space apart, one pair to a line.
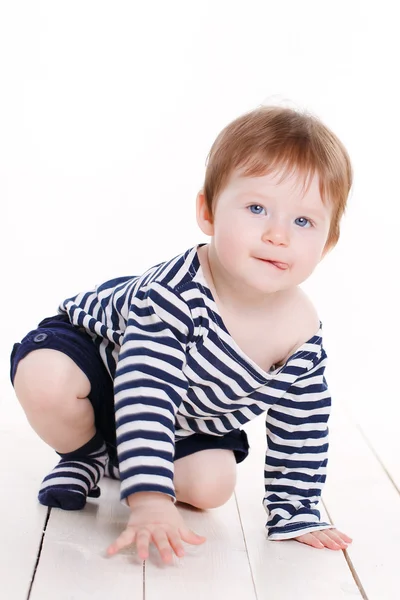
277,234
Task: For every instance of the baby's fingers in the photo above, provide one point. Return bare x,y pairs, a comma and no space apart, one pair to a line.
162,543
328,539
335,537
310,540
126,538
176,544
142,543
344,537
191,537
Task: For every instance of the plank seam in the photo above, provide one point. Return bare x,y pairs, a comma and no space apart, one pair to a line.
39,553
350,564
245,545
375,453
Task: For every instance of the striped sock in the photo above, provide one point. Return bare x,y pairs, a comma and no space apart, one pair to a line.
75,477
112,471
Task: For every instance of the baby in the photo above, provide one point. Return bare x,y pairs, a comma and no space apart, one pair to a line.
149,378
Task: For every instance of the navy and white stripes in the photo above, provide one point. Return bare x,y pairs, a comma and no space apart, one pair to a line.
296,460
177,371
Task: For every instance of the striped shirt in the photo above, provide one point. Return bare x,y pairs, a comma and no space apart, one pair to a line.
177,371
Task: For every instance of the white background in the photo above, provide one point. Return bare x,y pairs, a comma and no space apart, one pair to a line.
108,111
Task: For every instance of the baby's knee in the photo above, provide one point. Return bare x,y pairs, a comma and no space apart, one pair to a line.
206,495
206,479
46,378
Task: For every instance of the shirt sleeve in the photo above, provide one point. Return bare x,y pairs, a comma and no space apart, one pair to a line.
297,456
149,387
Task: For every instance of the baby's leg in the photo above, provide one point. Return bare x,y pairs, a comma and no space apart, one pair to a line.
205,479
52,391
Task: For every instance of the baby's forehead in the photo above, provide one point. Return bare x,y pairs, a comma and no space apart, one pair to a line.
275,182
294,188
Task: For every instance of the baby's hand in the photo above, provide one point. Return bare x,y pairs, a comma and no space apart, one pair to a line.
154,518
328,538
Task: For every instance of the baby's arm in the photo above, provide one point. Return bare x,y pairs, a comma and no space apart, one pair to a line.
296,461
149,387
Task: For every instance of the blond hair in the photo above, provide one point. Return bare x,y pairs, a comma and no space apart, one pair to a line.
273,138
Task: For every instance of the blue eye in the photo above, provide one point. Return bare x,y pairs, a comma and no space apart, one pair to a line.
302,222
257,206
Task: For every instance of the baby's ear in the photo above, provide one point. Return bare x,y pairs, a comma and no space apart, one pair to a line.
204,219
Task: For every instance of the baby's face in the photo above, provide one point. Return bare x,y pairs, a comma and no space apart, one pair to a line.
270,234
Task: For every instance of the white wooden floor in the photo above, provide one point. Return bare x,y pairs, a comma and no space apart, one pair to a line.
57,554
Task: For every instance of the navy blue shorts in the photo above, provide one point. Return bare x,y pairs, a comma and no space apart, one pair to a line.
57,333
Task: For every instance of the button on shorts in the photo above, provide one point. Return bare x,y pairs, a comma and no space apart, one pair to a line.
57,333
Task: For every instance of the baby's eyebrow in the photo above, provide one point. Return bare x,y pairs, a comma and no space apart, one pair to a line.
249,193
312,212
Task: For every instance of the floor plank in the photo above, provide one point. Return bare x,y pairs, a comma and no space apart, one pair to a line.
218,568
380,430
73,562
23,465
364,503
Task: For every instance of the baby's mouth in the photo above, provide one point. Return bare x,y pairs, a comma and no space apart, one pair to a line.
279,265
